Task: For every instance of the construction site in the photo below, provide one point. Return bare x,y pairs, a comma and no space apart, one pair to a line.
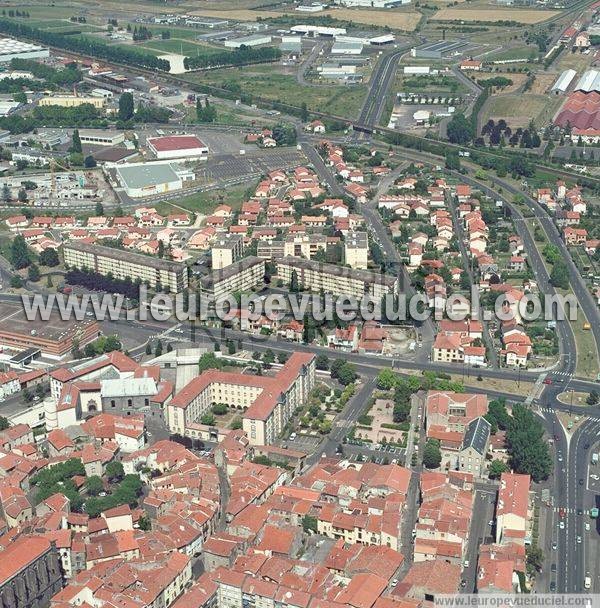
57,187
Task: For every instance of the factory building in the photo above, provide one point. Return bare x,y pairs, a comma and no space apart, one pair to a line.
15,49
177,146
148,179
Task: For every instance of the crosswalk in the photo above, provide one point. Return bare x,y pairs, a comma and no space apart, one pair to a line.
571,510
550,410
562,374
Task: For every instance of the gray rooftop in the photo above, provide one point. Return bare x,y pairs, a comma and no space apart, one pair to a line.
477,435
149,174
340,271
229,271
127,387
129,256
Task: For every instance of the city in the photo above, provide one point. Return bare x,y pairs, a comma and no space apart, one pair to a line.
299,303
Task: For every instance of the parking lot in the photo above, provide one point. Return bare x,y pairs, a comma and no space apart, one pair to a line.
230,166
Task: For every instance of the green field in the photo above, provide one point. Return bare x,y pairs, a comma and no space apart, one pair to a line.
187,33
181,47
264,81
520,52
204,203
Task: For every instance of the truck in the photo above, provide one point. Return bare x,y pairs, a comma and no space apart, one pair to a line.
587,583
595,458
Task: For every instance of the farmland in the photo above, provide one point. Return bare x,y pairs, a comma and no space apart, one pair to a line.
265,81
524,16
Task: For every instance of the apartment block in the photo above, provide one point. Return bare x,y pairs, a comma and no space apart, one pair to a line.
226,250
339,281
269,401
239,276
356,250
107,260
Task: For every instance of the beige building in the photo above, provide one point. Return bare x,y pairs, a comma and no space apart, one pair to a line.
269,401
356,250
514,509
339,281
305,245
107,260
242,275
226,250
72,101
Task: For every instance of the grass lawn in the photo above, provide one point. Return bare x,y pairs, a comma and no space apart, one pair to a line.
182,47
519,52
187,33
518,110
266,82
204,203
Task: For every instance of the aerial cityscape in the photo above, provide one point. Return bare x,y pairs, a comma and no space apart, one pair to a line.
299,303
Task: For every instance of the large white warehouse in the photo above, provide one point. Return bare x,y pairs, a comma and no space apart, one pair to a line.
15,49
148,179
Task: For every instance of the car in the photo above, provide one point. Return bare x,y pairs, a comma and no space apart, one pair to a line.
394,582
579,511
102,494
586,446
553,568
552,586
561,525
579,540
491,523
562,512
463,583
554,546
547,380
466,563
581,482
594,477
293,436
587,526
559,457
556,437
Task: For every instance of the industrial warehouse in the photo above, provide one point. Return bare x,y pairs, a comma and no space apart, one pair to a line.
148,179
177,146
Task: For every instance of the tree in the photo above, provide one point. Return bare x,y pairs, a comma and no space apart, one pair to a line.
158,349
526,445
16,282
559,276
144,523
148,347
347,374
94,485
49,257
22,196
294,287
322,362
208,419
432,456
4,424
114,470
76,142
6,193
310,524
593,398
19,253
126,106
89,162
99,210
459,130
33,273
535,559
497,467
335,367
386,379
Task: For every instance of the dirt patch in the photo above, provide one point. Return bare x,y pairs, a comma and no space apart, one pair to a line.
491,15
395,19
542,83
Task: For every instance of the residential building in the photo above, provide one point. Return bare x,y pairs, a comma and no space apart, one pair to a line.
356,250
155,272
226,250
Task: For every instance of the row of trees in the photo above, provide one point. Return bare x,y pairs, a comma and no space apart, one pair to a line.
98,282
242,56
86,46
